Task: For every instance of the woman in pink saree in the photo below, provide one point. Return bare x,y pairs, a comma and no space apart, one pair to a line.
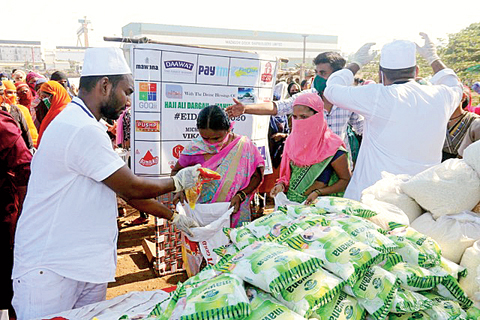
234,157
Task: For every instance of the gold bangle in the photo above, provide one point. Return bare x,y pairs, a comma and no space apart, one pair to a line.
318,191
242,195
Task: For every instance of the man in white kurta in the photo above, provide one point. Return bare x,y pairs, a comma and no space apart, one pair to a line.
404,126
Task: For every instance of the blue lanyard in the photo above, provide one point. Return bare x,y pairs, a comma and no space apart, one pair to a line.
85,110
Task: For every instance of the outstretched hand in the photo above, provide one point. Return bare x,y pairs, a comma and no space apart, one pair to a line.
428,51
364,55
236,109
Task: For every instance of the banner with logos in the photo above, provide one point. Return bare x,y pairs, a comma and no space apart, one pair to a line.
173,83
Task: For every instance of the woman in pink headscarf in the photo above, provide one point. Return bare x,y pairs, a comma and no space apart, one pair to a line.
32,78
314,161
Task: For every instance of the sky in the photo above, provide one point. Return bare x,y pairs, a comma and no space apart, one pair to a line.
55,22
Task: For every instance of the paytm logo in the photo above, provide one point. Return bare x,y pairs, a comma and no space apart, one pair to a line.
213,71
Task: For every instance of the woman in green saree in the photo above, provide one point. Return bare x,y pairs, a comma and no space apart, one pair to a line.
314,161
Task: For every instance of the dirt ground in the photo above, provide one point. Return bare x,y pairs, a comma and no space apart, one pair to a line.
134,271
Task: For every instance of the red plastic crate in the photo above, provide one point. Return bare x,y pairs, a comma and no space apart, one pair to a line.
168,243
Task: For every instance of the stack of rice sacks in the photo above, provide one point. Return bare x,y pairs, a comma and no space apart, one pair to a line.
325,261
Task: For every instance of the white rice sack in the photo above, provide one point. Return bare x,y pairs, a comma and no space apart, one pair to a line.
453,233
386,212
388,190
281,200
448,188
471,283
471,155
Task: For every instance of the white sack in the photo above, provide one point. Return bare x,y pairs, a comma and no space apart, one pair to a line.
471,155
386,212
212,218
388,190
471,283
281,200
448,188
453,233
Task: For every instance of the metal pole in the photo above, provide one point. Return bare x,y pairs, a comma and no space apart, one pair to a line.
302,69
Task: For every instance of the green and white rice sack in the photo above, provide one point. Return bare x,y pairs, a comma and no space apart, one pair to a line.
409,316
344,205
415,247
340,253
362,230
407,301
451,268
413,277
295,211
451,289
222,297
226,250
444,309
473,313
342,307
265,307
271,266
241,236
375,291
270,225
311,292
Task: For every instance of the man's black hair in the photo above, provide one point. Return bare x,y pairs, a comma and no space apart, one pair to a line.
89,82
213,117
334,59
396,74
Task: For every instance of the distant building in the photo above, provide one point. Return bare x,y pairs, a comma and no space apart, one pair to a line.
21,54
65,58
279,44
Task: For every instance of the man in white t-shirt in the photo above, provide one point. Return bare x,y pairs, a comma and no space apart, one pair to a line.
66,237
405,122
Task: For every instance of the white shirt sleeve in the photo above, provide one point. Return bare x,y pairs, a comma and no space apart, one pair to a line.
342,94
90,153
448,78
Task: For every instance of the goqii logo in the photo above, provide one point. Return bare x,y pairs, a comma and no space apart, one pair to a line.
147,126
267,75
178,64
148,160
173,91
147,94
213,71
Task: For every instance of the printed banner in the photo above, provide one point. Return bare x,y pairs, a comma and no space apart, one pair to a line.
174,83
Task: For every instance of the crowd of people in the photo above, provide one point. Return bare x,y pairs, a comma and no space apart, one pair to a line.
331,135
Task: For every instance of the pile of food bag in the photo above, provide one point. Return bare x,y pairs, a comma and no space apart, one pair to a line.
323,261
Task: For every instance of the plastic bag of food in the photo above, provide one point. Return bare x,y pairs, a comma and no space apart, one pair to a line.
302,210
386,212
264,307
453,233
413,277
473,313
270,225
344,205
270,266
226,250
281,201
410,316
311,292
451,268
308,221
407,301
241,236
375,291
340,253
362,230
206,175
447,188
388,190
342,307
415,247
222,297
443,308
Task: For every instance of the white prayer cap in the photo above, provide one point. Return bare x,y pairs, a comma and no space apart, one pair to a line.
104,62
399,54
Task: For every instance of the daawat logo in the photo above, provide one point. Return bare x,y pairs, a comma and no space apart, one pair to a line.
148,160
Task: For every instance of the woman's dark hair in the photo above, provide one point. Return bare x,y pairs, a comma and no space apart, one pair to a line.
214,118
290,87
